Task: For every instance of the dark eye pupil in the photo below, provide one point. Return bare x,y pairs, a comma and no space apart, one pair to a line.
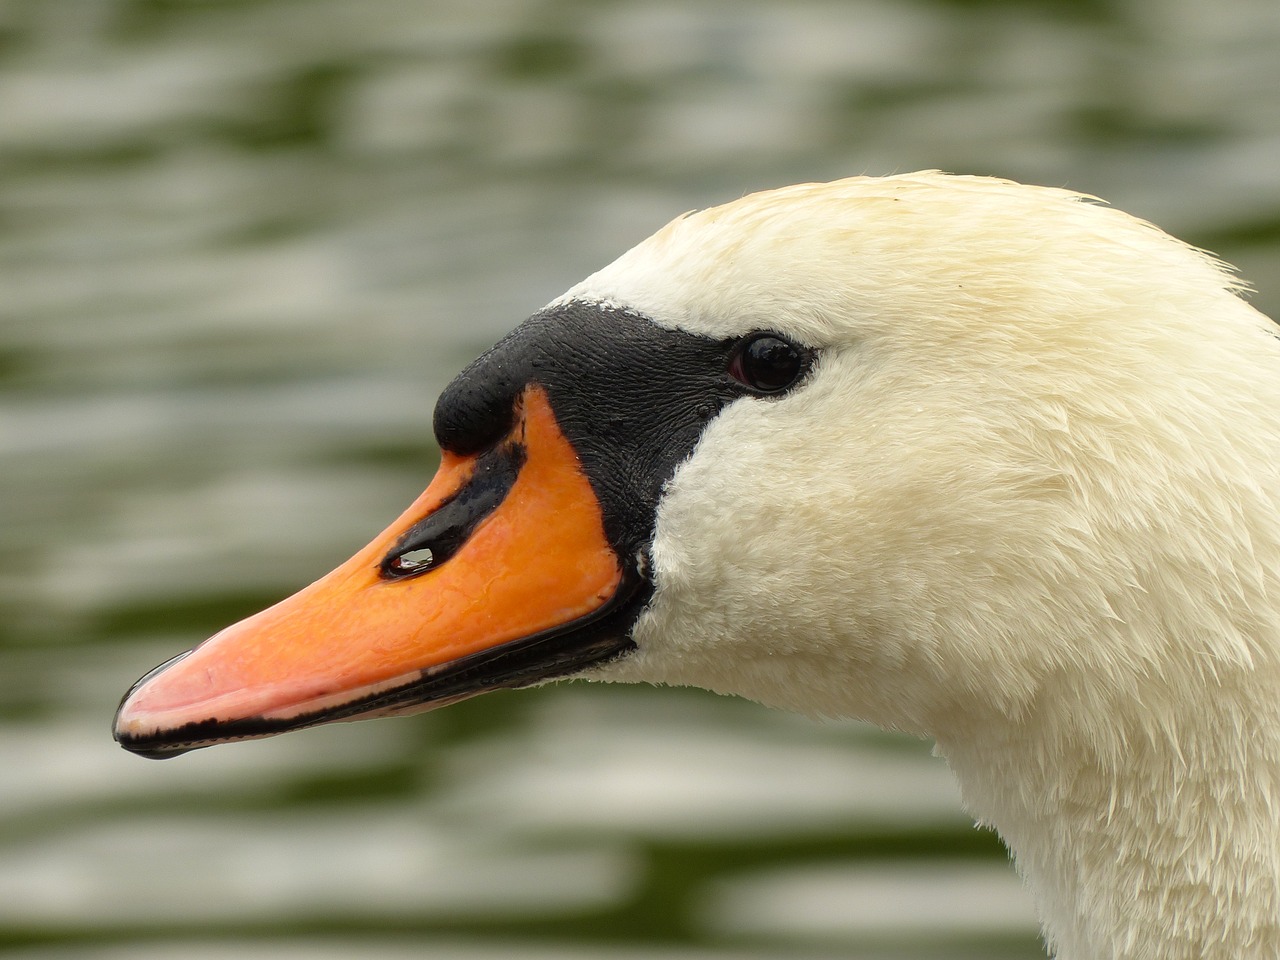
767,363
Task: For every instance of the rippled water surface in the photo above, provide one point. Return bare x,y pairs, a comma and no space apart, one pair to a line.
242,247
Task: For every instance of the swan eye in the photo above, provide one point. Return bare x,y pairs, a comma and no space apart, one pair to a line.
767,363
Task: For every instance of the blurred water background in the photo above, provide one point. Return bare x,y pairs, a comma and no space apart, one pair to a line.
244,243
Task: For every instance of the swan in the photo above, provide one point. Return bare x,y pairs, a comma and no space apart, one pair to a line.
989,463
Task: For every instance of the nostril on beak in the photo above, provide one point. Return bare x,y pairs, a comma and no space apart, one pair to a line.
440,534
411,562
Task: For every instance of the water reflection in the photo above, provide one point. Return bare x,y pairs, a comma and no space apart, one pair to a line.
243,246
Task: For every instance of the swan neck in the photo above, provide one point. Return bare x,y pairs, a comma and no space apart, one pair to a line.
1139,844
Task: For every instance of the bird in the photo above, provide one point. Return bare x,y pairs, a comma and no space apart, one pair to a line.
990,463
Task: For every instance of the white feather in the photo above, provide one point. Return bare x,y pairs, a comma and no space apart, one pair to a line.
1026,504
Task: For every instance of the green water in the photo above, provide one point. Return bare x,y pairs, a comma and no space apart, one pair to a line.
243,244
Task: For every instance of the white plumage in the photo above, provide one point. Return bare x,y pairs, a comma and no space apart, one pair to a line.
1028,504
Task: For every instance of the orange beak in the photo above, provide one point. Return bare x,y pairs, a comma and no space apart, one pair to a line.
499,575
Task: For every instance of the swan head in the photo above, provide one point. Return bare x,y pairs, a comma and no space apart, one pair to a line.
923,450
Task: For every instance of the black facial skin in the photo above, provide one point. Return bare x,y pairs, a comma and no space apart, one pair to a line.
632,398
